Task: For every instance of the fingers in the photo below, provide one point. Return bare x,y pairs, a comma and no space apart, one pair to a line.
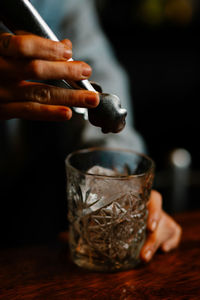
32,46
44,70
67,42
34,111
47,70
28,57
174,241
167,236
154,208
48,95
164,232
149,248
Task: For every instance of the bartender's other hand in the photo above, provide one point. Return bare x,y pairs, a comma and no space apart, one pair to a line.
163,231
25,56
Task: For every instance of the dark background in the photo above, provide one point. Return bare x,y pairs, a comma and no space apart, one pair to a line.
156,42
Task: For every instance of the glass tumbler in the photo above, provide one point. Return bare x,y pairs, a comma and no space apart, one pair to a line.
107,192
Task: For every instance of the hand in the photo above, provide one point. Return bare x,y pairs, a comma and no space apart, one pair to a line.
29,57
163,231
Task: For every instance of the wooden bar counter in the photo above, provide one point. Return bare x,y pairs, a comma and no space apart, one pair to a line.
45,272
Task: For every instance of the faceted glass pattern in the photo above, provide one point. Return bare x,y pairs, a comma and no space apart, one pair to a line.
107,210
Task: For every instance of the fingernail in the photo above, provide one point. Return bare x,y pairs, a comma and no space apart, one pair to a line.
91,100
65,113
166,247
153,225
148,255
86,71
67,53
68,114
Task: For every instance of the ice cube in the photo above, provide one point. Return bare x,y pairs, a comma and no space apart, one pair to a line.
99,192
98,170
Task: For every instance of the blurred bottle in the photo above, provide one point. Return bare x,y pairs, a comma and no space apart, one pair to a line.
180,160
179,11
156,12
151,11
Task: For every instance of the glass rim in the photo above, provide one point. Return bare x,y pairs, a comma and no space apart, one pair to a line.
92,149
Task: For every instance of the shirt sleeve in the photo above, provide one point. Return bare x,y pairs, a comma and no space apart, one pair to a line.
81,25
91,45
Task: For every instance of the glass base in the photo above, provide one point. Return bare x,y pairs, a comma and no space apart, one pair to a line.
105,267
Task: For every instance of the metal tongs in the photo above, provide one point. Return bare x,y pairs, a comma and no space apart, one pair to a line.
21,15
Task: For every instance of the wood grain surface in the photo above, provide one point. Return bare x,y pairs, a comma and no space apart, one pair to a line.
46,272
